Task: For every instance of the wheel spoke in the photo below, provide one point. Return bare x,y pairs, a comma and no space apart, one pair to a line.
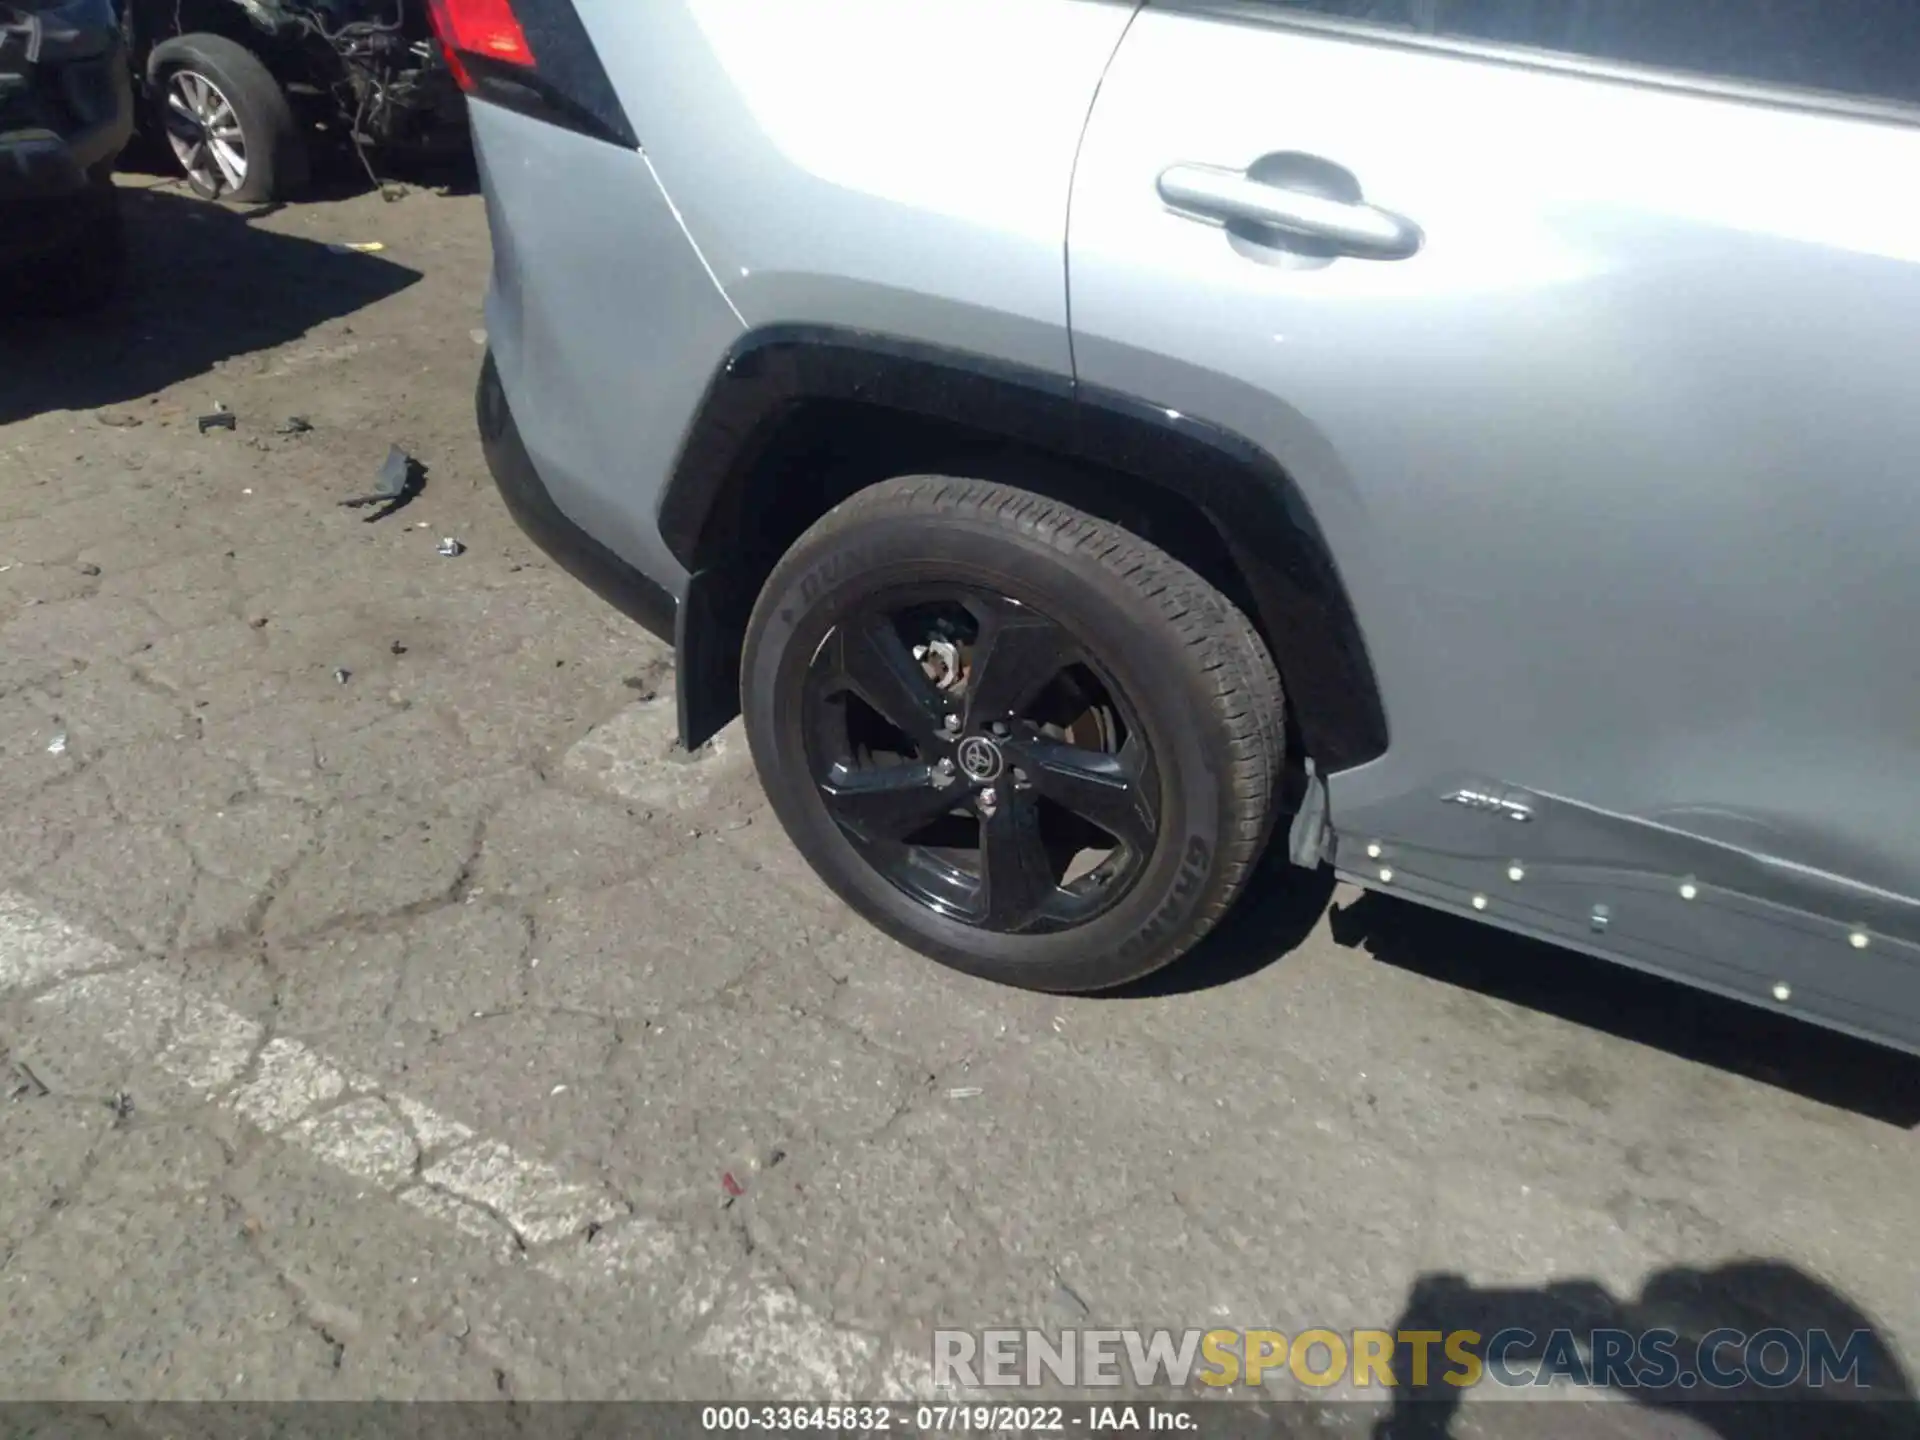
1015,871
1098,787
232,166
177,103
873,661
1018,653
888,802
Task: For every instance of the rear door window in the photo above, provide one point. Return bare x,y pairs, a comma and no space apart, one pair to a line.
1864,48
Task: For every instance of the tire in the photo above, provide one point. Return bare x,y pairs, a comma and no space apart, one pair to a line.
86,271
1185,739
275,151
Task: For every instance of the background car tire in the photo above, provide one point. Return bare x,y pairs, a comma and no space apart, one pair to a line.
1191,669
276,149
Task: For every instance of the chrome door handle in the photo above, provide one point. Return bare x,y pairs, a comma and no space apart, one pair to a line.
1353,227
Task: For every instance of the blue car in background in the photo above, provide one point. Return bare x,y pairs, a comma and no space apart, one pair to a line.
66,112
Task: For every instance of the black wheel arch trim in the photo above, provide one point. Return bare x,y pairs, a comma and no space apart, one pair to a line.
1268,529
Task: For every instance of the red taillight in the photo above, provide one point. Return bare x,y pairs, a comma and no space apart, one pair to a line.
486,28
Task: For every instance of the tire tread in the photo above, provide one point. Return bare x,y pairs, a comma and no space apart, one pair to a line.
1246,698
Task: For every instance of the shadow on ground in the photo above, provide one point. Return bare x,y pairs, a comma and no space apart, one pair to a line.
1762,1045
1751,1350
203,285
1282,905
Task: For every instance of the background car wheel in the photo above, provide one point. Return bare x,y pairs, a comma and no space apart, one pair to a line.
1016,738
227,120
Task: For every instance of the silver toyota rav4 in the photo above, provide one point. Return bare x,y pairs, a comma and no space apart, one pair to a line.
1470,443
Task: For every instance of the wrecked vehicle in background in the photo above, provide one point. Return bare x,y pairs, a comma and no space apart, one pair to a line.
66,109
241,90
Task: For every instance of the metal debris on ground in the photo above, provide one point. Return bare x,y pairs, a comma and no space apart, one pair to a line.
396,648
293,425
342,675
219,420
27,1085
361,247
964,1092
400,479
451,547
122,1106
58,745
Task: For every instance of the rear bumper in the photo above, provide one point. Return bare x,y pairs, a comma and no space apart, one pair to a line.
47,205
57,144
38,165
533,509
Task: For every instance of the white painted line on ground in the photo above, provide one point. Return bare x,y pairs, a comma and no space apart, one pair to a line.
291,1081
35,949
536,1199
774,1344
365,1138
469,1219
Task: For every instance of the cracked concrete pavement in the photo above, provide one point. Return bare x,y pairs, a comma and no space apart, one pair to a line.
443,1032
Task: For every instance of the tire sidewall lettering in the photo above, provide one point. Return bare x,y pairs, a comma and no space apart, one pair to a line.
1189,881
801,607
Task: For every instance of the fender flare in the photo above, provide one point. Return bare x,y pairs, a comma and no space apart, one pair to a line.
1270,533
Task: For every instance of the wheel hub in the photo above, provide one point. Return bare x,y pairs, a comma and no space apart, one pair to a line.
978,758
981,760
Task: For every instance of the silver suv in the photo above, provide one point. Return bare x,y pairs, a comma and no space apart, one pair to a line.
1005,403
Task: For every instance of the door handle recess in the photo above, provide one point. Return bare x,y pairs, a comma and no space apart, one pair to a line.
1352,227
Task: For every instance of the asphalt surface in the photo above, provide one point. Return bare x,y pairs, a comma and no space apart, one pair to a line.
388,1011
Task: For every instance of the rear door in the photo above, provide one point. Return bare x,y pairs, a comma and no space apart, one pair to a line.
1590,331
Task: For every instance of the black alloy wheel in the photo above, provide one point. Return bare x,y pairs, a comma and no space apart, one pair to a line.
1015,737
970,748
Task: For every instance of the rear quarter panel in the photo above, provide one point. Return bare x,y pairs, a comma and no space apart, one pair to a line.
603,322
902,168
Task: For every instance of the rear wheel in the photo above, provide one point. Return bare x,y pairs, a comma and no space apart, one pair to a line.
1019,739
227,120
